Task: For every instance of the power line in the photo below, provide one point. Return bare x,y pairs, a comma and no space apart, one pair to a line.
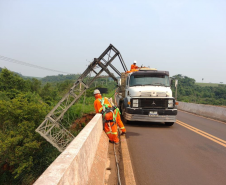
29,65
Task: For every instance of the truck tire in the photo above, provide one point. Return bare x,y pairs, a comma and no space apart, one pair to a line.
121,106
125,121
169,123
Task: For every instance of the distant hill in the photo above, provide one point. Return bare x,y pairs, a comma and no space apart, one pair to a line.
30,77
56,78
60,78
209,84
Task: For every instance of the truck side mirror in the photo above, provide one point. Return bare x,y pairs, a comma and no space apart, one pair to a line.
119,82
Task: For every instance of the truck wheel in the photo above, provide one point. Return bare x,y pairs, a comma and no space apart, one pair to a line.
125,121
169,123
121,107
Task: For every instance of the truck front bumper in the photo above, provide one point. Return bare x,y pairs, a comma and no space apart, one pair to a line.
164,115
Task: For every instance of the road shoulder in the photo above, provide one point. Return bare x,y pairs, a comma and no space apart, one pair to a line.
127,175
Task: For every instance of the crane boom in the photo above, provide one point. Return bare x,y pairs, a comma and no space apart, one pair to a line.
50,128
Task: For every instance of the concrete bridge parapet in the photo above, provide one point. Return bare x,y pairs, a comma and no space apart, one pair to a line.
73,165
210,111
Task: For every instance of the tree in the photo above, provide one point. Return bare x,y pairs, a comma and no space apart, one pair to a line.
19,143
9,81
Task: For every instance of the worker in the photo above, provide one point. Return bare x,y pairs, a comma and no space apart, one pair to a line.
111,115
134,66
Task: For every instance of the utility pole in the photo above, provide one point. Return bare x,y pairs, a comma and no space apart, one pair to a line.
195,96
176,83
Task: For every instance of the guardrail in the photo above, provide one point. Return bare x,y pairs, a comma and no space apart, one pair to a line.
209,111
73,165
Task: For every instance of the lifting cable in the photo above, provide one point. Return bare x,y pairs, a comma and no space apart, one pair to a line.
84,102
82,109
116,160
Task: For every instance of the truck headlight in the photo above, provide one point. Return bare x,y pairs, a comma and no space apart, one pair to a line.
170,103
135,102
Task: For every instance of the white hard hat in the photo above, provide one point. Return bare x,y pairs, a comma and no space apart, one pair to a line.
135,62
96,91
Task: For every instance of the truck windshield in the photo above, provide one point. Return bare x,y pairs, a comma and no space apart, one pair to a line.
154,80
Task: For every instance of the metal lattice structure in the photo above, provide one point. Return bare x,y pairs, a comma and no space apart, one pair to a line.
52,128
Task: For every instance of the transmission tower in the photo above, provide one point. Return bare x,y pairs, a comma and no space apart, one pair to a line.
53,128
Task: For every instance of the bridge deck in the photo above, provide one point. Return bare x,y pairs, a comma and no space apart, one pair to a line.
189,152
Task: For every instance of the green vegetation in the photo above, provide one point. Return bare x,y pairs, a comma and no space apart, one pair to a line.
24,155
24,103
189,91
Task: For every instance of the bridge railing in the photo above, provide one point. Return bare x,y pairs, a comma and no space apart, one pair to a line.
210,111
74,164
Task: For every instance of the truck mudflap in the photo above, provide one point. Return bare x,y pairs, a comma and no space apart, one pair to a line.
148,118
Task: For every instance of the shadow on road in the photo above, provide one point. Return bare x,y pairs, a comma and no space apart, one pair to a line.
128,134
146,124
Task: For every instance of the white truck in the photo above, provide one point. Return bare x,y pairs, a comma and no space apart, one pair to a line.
145,95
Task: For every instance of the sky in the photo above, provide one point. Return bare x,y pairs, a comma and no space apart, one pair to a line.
185,37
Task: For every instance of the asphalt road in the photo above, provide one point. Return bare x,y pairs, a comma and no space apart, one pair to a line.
191,152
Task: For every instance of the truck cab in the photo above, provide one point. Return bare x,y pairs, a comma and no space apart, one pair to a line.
145,95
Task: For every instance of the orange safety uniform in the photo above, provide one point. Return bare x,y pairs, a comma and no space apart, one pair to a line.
111,120
134,67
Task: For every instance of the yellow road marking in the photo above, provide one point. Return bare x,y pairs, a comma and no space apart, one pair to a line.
198,130
202,116
202,133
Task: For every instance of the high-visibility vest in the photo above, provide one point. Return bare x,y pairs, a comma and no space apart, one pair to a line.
105,107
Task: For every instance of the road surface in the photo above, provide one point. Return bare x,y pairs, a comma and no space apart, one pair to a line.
191,152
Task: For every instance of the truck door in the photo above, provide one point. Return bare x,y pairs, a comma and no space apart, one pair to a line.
127,86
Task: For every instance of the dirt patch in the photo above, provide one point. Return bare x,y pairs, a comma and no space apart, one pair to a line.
82,122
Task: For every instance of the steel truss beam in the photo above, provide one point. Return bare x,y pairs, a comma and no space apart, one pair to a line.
50,128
